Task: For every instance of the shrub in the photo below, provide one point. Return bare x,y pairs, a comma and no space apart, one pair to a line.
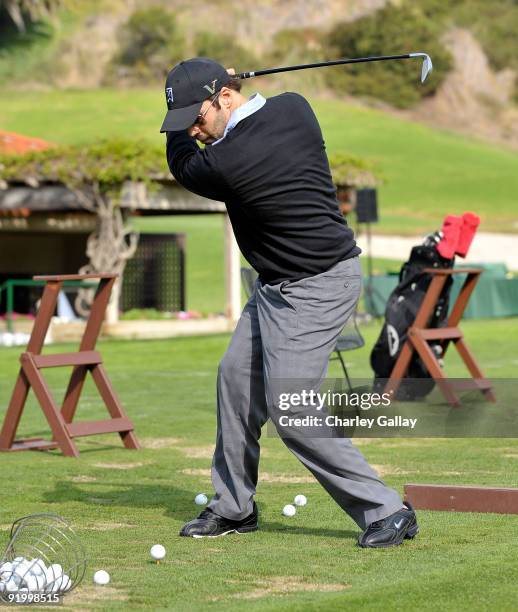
390,31
495,27
224,49
353,171
302,45
149,45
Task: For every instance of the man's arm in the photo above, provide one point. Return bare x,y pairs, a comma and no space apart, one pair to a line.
195,168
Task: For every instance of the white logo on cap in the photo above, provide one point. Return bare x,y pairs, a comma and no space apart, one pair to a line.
212,90
169,95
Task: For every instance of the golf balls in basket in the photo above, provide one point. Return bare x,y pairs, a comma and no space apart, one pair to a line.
300,500
101,577
200,499
289,510
157,552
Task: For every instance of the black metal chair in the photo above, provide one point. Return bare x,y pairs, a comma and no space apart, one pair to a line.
349,339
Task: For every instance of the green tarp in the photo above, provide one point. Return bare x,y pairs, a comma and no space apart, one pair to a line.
496,293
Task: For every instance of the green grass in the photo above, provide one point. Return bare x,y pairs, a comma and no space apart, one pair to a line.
458,562
428,172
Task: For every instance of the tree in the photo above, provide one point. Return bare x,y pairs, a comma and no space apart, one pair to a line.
95,174
23,11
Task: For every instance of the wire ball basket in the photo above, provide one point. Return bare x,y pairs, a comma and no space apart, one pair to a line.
44,555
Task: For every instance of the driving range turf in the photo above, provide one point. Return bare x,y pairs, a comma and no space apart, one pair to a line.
122,502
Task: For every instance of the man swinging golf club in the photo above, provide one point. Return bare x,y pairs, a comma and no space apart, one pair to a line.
265,158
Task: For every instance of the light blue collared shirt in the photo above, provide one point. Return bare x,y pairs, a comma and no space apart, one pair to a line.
254,103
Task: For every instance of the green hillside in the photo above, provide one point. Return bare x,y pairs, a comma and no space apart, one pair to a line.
427,172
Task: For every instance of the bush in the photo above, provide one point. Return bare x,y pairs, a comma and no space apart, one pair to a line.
390,31
495,28
224,49
353,171
149,45
302,45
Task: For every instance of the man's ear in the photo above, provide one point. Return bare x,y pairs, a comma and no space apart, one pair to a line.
226,97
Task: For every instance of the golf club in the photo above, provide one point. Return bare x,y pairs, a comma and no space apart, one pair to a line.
426,68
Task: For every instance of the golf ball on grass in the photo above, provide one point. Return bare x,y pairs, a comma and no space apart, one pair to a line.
300,500
101,577
200,499
157,552
289,510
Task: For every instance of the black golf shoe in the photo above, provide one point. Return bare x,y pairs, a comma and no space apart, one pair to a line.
392,530
211,525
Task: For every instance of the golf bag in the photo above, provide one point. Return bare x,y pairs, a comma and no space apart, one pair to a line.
401,310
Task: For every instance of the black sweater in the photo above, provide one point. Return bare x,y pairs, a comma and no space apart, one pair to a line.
272,172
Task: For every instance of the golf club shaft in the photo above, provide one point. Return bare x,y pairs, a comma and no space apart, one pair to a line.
248,75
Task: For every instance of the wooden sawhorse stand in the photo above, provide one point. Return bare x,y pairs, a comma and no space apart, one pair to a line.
419,334
87,359
436,496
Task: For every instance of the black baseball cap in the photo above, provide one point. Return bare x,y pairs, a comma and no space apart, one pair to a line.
187,86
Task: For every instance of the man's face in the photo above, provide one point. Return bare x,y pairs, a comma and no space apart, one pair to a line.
211,122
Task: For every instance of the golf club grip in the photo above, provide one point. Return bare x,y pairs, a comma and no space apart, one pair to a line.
248,75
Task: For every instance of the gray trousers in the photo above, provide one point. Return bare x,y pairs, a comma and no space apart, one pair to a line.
288,331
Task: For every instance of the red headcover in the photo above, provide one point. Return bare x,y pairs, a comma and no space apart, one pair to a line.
451,228
458,233
469,227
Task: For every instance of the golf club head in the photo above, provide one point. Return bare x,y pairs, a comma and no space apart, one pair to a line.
427,65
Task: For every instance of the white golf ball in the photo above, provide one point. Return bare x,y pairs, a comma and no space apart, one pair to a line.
289,510
53,572
63,583
11,586
35,584
6,569
300,500
101,577
15,578
22,570
157,552
37,567
200,499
